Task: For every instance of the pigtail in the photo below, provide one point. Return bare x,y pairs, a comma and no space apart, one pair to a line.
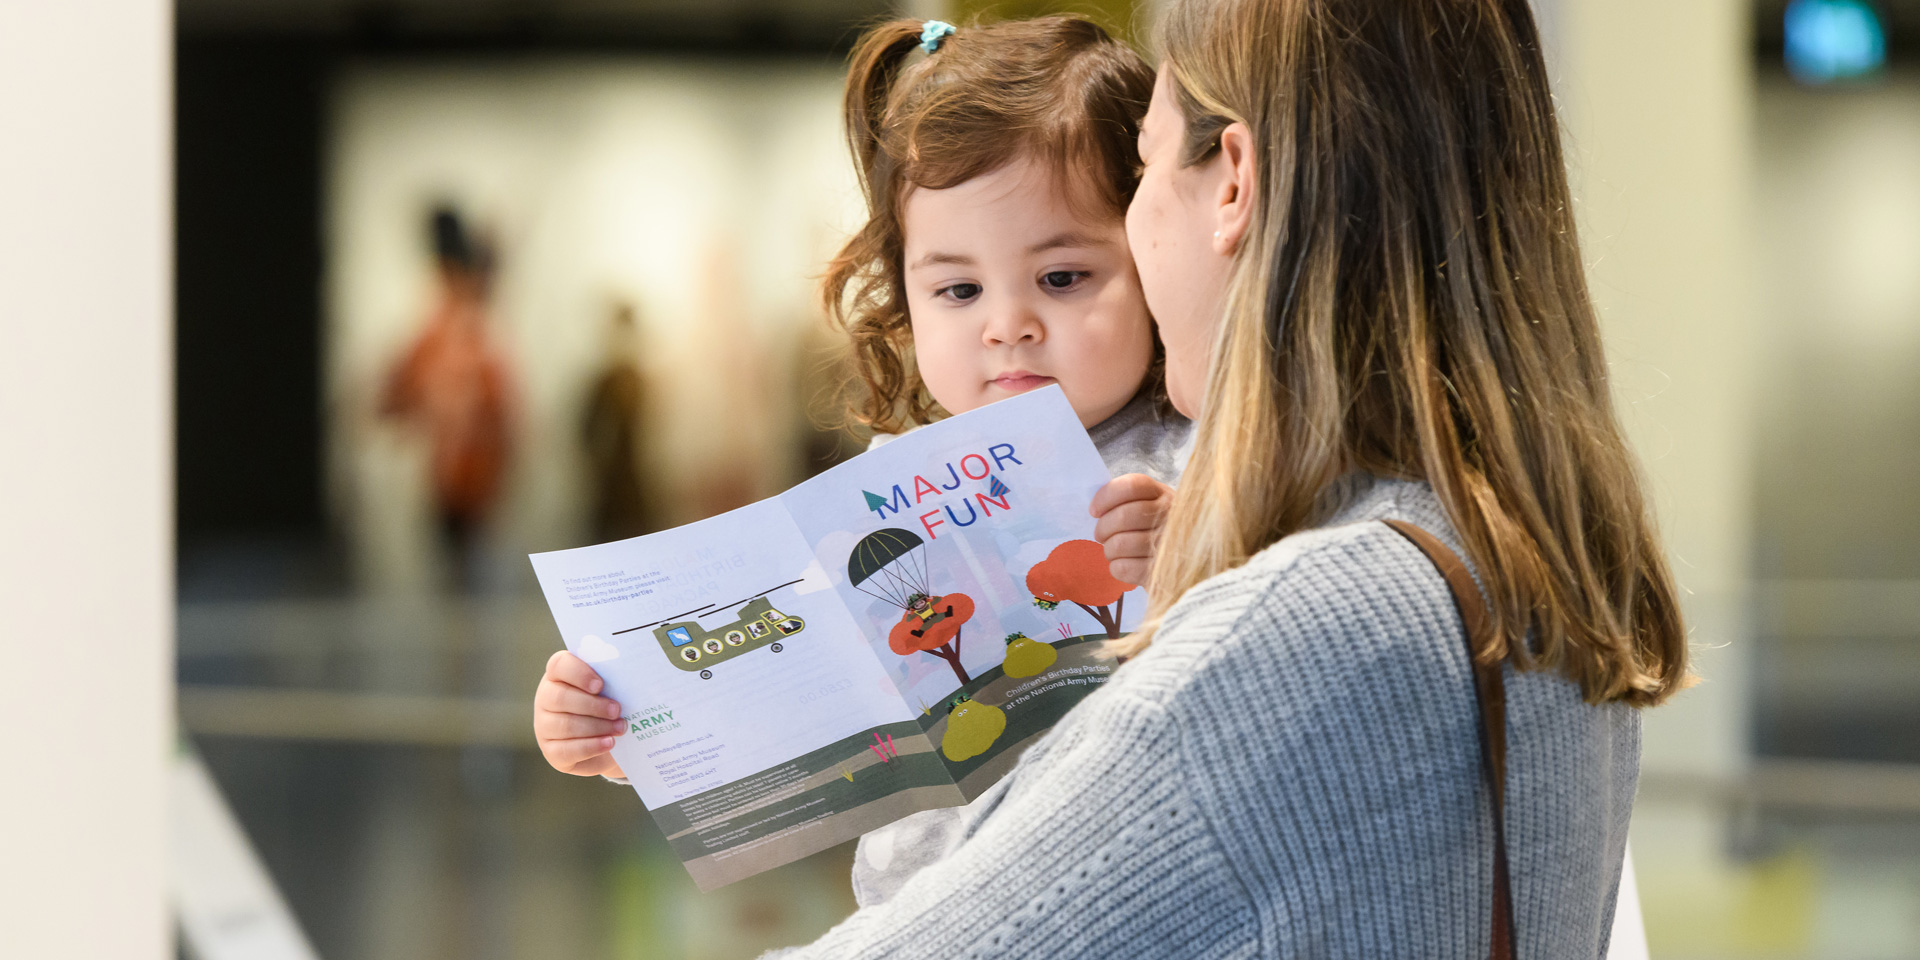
873,70
861,290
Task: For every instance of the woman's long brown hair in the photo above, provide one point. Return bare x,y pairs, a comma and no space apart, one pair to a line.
1411,302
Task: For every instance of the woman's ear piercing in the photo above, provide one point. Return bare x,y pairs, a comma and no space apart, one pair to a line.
1216,234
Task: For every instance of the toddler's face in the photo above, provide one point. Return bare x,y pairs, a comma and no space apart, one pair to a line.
1009,291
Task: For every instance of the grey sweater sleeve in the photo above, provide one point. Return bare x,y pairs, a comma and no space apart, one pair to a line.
1097,852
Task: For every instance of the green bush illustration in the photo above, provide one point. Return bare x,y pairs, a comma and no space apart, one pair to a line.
972,727
1026,656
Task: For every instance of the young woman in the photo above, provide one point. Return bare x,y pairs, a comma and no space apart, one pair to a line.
1354,231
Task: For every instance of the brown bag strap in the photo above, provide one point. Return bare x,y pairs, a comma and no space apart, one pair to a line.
1490,689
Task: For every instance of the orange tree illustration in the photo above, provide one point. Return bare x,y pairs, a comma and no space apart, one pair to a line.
1076,572
891,565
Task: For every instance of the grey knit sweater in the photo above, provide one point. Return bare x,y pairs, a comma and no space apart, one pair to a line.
1290,771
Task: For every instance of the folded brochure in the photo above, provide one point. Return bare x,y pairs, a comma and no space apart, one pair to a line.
882,639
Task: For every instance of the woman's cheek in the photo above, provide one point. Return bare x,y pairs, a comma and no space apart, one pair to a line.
1186,372
1147,233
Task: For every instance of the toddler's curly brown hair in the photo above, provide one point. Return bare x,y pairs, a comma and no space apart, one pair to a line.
1058,90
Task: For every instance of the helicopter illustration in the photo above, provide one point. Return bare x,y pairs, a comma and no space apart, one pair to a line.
891,566
695,648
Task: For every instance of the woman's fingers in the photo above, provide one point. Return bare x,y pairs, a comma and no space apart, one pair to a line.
573,671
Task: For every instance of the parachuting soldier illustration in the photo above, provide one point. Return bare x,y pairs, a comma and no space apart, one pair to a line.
922,606
891,565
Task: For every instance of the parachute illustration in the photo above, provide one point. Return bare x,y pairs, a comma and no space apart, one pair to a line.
891,566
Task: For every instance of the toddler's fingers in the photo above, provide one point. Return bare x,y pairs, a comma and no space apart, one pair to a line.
1130,570
1123,489
1130,556
568,726
601,766
569,669
1133,515
566,754
1131,545
561,698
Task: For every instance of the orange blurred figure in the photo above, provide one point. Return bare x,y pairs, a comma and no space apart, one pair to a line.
453,385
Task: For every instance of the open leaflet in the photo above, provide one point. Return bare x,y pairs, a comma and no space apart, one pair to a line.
884,638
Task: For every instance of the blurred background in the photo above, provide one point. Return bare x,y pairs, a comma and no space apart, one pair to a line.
457,281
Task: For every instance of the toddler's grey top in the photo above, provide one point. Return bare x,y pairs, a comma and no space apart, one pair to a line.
1138,439
1142,438
1291,770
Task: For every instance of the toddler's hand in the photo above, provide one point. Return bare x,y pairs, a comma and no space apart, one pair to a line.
576,728
1131,509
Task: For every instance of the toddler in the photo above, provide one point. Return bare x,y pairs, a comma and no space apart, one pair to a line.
997,170
997,163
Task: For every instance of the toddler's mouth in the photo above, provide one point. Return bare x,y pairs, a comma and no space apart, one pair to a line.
1019,381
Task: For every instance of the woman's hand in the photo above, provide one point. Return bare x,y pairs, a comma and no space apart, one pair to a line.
574,726
1130,509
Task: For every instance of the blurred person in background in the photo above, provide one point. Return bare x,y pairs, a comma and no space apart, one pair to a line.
612,435
453,385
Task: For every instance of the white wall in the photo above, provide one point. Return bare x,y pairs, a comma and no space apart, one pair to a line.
85,476
1839,215
1657,98
1657,102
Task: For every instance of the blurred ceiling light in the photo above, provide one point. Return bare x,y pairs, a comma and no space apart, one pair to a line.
1829,40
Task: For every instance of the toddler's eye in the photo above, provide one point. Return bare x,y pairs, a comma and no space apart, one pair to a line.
960,292
1063,279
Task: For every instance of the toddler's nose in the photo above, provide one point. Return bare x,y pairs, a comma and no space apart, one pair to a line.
1014,323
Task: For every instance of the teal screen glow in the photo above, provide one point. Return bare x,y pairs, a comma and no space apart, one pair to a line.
1829,40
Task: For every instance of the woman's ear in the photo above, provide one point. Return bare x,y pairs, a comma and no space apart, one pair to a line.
1236,197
